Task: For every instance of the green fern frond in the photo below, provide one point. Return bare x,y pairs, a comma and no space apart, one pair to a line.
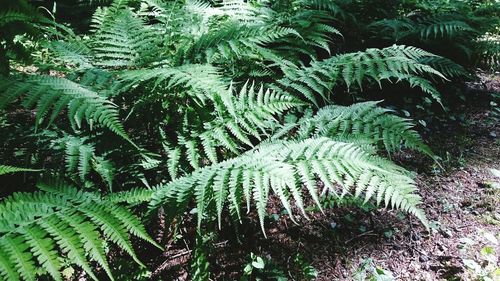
362,121
438,26
124,41
399,62
106,15
49,95
285,168
73,53
9,17
445,66
81,157
234,10
489,52
131,197
61,225
240,10
323,5
202,81
249,115
10,169
233,40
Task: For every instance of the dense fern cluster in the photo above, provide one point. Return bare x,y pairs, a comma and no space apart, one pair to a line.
208,107
60,224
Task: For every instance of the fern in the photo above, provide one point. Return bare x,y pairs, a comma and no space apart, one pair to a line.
81,157
423,27
9,17
247,116
443,29
445,66
131,197
314,30
234,10
124,41
399,62
489,51
72,52
50,95
323,5
286,169
362,121
233,40
106,15
202,82
11,169
61,225
200,266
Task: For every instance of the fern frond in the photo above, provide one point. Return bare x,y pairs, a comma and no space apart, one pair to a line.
124,42
240,10
445,66
314,31
233,40
202,81
49,95
73,53
400,62
81,157
362,121
11,169
131,197
12,16
249,115
437,26
105,15
284,168
489,51
323,5
234,10
61,225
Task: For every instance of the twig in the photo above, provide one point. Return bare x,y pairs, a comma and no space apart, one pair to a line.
358,236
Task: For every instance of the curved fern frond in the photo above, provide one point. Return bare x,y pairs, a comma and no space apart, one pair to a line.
445,66
81,157
202,81
234,40
424,28
131,197
235,10
399,62
124,42
61,225
323,5
249,115
72,52
436,28
366,121
316,34
290,169
11,169
12,16
49,95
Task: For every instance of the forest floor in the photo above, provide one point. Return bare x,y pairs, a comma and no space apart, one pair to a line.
461,199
